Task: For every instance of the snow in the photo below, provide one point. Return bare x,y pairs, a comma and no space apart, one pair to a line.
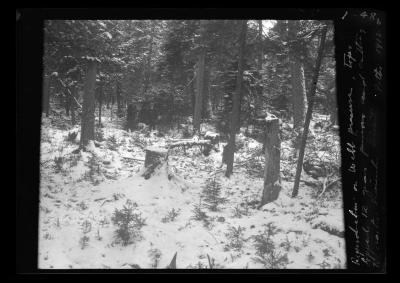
69,197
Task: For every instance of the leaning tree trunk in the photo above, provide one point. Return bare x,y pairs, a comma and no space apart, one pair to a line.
309,113
88,107
272,143
236,102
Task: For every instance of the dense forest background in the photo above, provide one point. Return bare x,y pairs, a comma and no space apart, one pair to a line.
147,70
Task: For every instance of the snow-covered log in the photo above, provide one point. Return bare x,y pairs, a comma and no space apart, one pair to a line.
205,145
190,143
154,158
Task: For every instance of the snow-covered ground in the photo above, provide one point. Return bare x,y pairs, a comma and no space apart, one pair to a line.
79,196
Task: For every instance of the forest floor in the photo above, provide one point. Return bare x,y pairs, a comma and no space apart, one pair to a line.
79,192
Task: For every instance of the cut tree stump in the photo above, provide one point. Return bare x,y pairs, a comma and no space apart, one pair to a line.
272,186
154,158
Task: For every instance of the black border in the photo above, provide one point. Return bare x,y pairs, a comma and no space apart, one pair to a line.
29,35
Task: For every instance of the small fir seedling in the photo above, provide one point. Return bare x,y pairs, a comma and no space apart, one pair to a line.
171,216
200,215
84,241
86,226
98,237
238,211
212,194
235,238
129,223
266,252
58,163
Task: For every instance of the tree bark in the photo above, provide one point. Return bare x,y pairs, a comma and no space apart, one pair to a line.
207,107
46,95
118,97
299,98
236,101
258,100
100,99
88,107
73,104
199,88
100,106
272,143
309,112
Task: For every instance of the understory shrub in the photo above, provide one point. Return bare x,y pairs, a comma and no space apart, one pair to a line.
129,223
266,252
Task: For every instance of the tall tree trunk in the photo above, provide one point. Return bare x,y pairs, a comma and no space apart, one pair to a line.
236,101
147,68
258,98
88,107
299,98
73,105
100,99
100,106
199,93
118,97
199,83
309,112
108,99
46,95
207,107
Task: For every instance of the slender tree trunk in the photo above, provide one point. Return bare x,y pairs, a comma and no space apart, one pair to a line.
199,92
108,100
236,101
309,113
147,68
73,106
88,107
118,97
100,106
46,95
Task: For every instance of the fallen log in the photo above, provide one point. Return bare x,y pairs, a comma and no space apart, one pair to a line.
205,145
190,143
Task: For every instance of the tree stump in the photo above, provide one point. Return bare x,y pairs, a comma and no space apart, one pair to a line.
155,157
272,185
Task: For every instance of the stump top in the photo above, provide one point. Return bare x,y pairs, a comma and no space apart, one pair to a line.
157,149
